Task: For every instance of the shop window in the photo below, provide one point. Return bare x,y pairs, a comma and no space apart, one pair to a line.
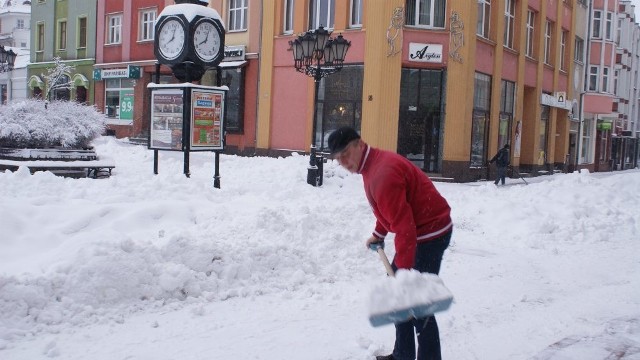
339,103
544,134
507,99
119,99
234,79
480,120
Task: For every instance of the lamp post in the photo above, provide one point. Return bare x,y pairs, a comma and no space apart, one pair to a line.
7,61
317,55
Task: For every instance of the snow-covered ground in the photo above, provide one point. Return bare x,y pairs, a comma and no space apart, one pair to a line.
144,266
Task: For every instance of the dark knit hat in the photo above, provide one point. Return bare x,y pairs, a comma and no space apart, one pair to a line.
339,139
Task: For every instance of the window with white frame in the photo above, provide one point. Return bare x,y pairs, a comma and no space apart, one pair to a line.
425,13
20,24
484,18
62,35
616,74
287,26
593,78
596,32
509,22
82,32
356,14
146,25
605,79
321,13
40,40
548,36
619,32
114,29
579,50
608,26
238,15
563,50
531,18
587,130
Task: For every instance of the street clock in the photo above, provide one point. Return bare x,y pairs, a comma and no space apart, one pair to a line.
170,42
189,37
207,40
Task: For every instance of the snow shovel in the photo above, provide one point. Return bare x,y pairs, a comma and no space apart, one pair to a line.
405,295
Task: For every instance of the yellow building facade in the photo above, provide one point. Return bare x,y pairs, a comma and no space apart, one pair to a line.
445,86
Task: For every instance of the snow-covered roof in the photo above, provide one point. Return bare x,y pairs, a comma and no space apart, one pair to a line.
17,8
190,11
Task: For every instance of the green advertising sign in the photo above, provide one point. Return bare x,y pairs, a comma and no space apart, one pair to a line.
126,105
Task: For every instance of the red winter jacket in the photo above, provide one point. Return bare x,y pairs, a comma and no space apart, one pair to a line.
404,201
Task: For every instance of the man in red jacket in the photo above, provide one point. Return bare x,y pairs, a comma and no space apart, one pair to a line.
404,202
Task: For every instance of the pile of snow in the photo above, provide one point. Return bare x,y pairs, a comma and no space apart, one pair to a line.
163,266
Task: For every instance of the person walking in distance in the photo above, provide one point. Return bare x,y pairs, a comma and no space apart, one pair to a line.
502,161
405,202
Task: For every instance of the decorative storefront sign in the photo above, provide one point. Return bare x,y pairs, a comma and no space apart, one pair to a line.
394,31
456,39
130,72
234,53
166,119
431,53
551,100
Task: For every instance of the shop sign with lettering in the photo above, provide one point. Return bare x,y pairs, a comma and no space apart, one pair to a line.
431,53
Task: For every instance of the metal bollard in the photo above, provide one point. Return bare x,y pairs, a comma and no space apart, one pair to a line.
314,170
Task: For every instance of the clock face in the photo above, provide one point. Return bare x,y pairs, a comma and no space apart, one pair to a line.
206,41
171,39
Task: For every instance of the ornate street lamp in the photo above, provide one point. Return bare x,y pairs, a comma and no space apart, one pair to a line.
7,59
317,55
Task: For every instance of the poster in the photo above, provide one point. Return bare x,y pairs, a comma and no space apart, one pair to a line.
126,105
166,119
207,109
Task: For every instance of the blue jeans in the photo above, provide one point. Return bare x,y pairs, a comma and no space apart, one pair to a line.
502,171
428,259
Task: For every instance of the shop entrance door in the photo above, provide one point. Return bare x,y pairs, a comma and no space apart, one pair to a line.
420,118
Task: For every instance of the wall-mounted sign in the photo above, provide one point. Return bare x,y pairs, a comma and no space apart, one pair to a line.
431,53
551,100
130,72
232,53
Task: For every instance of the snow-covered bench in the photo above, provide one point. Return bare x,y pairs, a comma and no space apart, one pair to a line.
77,168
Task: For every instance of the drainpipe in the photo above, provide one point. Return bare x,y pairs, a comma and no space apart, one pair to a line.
255,139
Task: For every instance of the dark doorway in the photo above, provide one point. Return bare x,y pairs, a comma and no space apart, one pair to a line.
420,118
81,94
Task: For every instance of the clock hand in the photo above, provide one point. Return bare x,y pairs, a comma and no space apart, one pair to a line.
206,39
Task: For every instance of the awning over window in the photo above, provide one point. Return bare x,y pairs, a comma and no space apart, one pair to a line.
233,64
35,82
80,80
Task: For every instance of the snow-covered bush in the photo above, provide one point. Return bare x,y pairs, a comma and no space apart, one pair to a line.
31,124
